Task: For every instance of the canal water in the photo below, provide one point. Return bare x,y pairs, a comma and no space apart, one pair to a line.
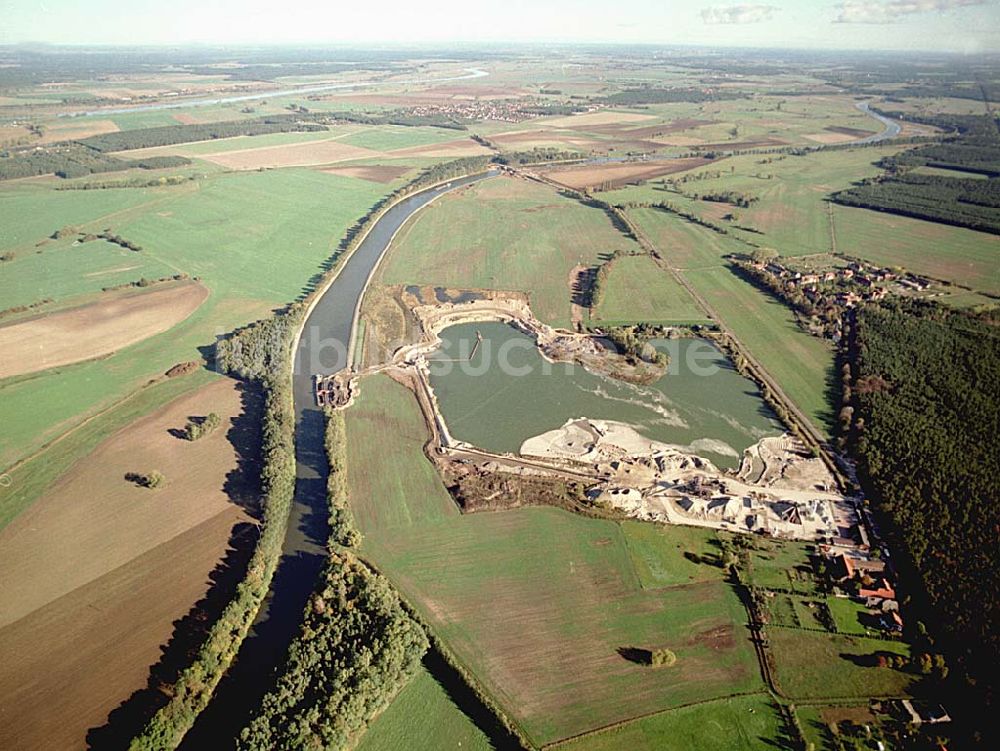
322,349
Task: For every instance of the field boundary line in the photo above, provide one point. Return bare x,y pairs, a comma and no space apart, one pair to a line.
62,436
647,715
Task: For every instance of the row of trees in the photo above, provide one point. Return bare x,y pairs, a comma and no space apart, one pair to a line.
260,353
356,649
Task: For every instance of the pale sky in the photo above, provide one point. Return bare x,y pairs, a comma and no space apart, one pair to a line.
945,25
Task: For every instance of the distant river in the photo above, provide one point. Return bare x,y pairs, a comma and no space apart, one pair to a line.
469,73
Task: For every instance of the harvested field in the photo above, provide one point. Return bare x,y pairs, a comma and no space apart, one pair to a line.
98,570
185,118
616,175
853,132
83,128
95,330
454,149
829,137
92,520
89,650
679,141
763,143
373,173
13,133
602,118
652,131
291,155
526,139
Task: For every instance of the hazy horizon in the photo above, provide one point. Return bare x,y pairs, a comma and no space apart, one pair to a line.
956,26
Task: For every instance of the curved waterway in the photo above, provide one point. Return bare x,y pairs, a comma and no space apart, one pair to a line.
507,392
321,349
298,91
891,127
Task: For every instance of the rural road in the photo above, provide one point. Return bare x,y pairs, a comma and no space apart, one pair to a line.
322,349
469,73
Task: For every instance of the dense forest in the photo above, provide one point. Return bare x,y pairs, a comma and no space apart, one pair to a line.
652,95
975,147
960,201
972,203
925,395
73,160
168,135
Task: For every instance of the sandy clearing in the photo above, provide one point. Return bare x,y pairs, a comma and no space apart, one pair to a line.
65,666
459,147
679,141
604,117
527,138
828,137
374,173
290,155
94,330
12,133
78,129
93,521
618,174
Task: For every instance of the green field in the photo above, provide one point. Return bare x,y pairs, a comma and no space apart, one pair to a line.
814,665
954,254
422,717
505,234
683,244
783,565
563,586
252,238
847,614
657,554
637,290
790,211
240,143
799,362
30,212
30,479
742,723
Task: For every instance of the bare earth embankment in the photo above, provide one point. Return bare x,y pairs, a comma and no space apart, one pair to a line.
94,330
97,571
